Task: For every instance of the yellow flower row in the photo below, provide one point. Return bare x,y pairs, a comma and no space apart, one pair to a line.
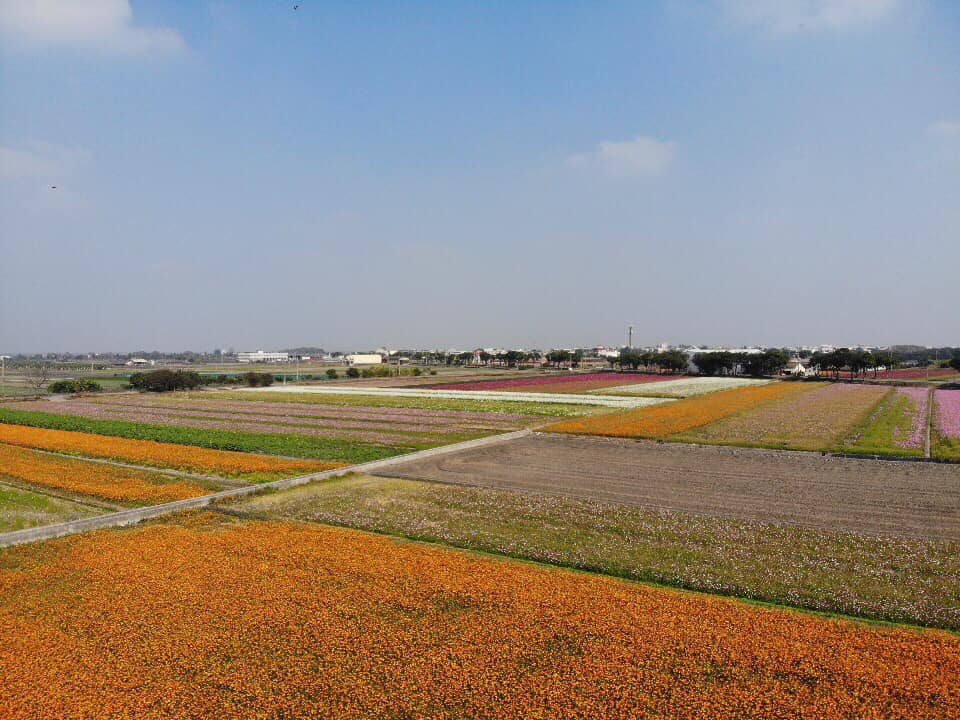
158,454
103,481
661,421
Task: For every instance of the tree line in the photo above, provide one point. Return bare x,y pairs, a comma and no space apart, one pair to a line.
764,364
667,361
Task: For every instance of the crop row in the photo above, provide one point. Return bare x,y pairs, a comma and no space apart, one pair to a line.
318,448
897,426
817,419
457,403
157,454
380,415
104,481
902,374
680,415
484,395
280,415
947,423
297,620
552,383
211,418
684,387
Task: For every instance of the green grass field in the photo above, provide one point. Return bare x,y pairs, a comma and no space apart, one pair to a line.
887,430
894,579
21,509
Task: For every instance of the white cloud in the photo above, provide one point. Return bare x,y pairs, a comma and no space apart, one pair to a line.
103,25
945,129
640,156
786,16
40,163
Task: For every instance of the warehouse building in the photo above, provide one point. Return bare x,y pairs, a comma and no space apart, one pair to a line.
364,359
263,357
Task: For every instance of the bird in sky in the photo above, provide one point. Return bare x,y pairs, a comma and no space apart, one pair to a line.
53,187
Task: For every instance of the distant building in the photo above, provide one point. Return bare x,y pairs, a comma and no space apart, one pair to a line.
798,367
262,357
364,359
140,361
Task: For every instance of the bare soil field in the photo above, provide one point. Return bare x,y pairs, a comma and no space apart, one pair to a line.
807,489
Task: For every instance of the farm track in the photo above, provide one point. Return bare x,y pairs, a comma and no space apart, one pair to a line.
791,487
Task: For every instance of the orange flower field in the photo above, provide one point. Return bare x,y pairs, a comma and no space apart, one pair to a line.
158,454
103,481
660,421
217,618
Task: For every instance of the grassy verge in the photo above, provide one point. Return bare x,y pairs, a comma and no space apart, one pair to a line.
877,434
20,509
945,448
893,579
289,445
483,406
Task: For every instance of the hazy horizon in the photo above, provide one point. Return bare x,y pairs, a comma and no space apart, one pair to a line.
462,347
426,175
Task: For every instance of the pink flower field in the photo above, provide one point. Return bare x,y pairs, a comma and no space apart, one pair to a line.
918,418
947,424
948,413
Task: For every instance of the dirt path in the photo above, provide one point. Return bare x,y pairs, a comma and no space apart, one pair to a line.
808,489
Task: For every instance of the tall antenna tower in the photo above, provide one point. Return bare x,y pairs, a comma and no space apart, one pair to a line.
630,336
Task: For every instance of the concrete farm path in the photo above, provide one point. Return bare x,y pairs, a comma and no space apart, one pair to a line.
131,517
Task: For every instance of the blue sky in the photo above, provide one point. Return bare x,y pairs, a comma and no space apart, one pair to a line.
350,175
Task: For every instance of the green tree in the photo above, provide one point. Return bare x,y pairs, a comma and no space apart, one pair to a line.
254,379
165,380
74,386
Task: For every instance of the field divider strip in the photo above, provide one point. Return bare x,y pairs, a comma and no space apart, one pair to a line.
133,516
926,442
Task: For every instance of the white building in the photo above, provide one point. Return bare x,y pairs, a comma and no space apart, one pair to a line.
140,361
798,367
262,357
361,359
